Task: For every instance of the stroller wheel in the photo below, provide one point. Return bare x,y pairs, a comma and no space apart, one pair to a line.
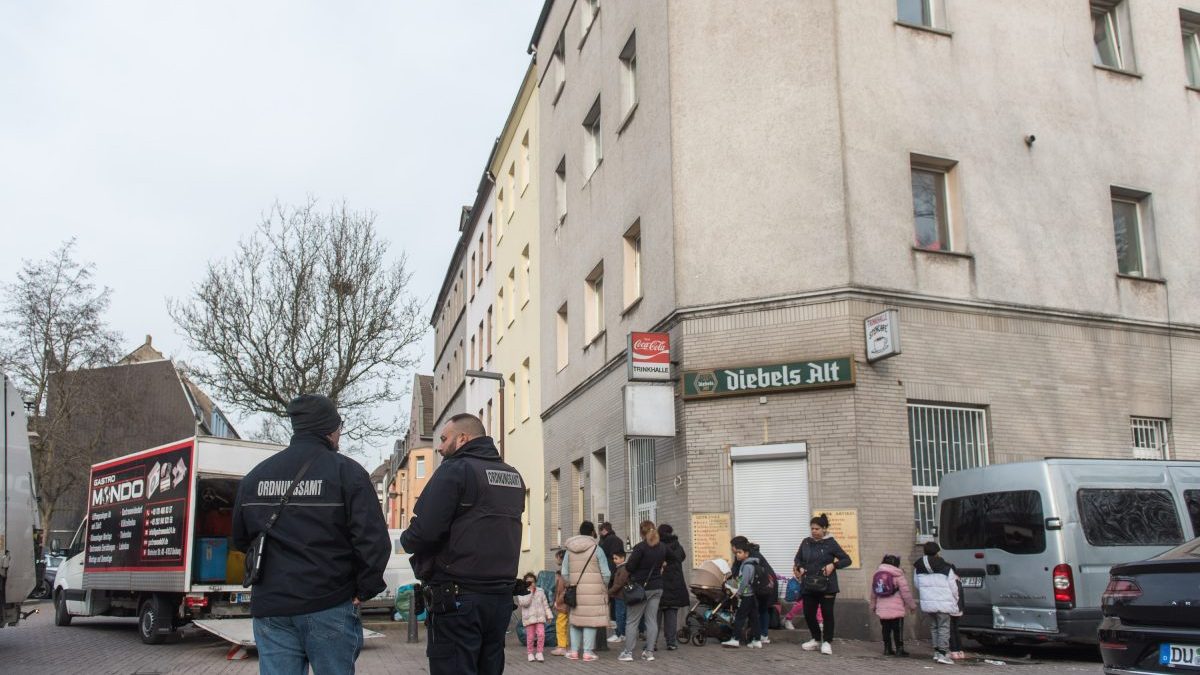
684,635
698,639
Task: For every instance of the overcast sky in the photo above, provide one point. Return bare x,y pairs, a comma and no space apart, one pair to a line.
156,133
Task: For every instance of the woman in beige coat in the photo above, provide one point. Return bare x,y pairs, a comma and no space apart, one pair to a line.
585,568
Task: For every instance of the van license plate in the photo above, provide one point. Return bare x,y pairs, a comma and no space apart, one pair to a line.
1187,656
972,582
239,597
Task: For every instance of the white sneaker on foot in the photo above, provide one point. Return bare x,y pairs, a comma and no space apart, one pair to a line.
943,659
625,656
826,649
787,624
811,645
731,642
531,658
755,644
648,655
615,638
765,640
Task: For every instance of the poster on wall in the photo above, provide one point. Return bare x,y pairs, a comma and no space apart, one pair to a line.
138,511
711,533
843,526
882,332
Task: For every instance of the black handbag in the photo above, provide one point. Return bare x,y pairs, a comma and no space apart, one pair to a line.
815,583
634,593
254,554
569,597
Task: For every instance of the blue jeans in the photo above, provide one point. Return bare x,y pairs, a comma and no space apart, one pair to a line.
328,640
619,612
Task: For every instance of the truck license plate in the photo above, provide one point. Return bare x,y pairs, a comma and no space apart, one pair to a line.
972,582
239,597
1187,656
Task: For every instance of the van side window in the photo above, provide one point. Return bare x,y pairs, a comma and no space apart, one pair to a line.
1009,521
1192,499
1129,517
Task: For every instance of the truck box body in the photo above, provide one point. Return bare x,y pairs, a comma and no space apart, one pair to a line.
19,518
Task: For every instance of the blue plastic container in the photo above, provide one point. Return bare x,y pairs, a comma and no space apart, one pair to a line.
211,553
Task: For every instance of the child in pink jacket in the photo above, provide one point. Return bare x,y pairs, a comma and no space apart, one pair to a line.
890,599
535,612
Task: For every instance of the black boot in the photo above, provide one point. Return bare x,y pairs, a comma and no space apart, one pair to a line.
900,649
887,650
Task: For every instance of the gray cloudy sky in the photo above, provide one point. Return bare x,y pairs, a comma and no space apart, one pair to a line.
158,132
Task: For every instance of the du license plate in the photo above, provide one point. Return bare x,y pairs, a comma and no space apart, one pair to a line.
1186,656
239,597
972,582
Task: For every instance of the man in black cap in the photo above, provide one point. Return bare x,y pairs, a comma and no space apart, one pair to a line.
324,554
465,541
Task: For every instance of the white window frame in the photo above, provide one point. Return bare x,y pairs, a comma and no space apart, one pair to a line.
563,338
593,146
526,389
1190,25
420,470
558,63
1118,35
948,211
1143,231
933,14
632,245
588,11
643,478
560,190
942,438
1151,437
629,93
593,305
526,162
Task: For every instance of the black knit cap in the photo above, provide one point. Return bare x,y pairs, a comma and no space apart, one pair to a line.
315,413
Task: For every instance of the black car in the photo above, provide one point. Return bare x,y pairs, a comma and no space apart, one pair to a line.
1152,614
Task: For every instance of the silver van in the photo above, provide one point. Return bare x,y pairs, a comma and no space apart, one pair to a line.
1033,541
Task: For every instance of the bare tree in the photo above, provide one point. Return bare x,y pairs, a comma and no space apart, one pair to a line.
309,303
53,323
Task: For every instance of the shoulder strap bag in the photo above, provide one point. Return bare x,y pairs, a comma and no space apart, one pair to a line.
254,554
569,597
634,593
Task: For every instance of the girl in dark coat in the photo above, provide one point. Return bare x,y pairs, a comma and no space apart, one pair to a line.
675,591
820,556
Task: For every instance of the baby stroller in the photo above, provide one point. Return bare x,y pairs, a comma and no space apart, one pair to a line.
712,614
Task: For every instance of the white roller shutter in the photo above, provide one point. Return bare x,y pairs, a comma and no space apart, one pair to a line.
770,500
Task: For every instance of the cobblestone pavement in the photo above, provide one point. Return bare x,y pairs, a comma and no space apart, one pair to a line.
106,645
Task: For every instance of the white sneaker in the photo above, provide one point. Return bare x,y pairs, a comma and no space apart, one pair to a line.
765,640
826,649
755,644
615,638
648,655
943,659
787,623
811,645
625,656
732,643
531,658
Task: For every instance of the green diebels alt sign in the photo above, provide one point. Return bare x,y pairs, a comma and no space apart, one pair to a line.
746,380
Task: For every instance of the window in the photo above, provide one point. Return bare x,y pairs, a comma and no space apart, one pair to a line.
500,206
1111,37
482,349
633,264
1010,521
933,205
593,148
1191,498
512,403
489,332
526,525
479,276
526,389
1150,438
490,428
489,242
525,269
420,467
500,310
473,282
1127,517
512,295
562,338
942,439
558,64
578,503
643,502
593,305
512,192
629,97
525,163
1133,229
474,354
555,511
1190,23
927,13
587,16
560,190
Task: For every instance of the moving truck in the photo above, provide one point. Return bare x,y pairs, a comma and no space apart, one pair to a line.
19,518
156,541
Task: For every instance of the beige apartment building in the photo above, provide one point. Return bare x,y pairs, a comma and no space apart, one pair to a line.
1017,181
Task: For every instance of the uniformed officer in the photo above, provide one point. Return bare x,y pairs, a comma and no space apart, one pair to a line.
465,541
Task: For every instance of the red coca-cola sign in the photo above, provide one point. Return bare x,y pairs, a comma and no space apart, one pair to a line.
649,356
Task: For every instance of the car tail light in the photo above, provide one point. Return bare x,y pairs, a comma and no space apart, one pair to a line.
1064,587
1120,589
195,601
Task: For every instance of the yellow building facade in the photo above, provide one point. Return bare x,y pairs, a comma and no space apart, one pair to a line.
516,338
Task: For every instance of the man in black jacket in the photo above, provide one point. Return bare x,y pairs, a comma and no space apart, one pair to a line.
465,541
324,554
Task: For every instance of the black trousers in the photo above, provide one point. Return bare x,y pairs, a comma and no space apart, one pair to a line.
747,611
955,640
470,639
824,601
893,633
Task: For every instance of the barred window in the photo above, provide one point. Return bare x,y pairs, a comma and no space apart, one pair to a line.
1150,438
942,439
643,502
